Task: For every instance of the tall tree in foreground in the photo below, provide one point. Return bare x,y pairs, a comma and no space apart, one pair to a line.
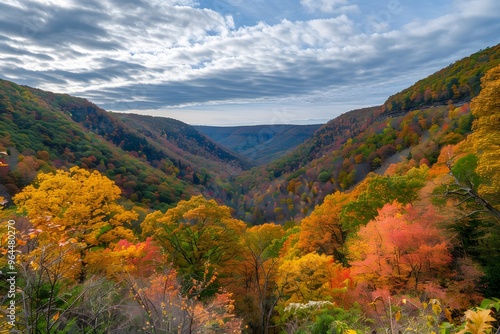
485,139
258,270
475,182
195,233
74,212
400,250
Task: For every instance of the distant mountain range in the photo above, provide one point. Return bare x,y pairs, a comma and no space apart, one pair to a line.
260,143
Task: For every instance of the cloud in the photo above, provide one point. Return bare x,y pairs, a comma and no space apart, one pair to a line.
137,54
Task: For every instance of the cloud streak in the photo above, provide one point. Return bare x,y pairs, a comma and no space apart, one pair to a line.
132,55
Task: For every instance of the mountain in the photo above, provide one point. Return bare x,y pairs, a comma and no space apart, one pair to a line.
344,151
260,143
43,131
182,141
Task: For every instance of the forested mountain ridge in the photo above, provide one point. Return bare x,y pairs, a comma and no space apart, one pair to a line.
168,132
420,119
459,82
42,131
260,143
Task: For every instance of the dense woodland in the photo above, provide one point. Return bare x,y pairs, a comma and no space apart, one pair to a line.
382,221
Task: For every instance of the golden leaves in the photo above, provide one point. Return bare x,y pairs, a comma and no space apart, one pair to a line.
477,321
486,134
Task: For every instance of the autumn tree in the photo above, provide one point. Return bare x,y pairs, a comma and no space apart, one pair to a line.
485,138
194,233
466,185
258,267
375,191
312,277
139,259
322,231
74,212
167,310
474,181
400,249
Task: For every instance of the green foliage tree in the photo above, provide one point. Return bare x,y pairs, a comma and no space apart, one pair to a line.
379,190
195,233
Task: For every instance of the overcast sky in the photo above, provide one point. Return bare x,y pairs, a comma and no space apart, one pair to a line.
226,62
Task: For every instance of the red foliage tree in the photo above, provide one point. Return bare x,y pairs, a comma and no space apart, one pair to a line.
401,250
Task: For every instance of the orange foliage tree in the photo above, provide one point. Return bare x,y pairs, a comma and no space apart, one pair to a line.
323,231
168,310
400,250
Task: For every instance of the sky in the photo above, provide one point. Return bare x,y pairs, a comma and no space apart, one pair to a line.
238,62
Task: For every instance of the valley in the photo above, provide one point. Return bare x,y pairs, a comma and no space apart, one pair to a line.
261,144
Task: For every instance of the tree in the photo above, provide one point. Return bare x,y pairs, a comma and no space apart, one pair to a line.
466,185
400,249
309,277
194,233
373,193
167,310
74,212
485,137
127,258
259,265
323,231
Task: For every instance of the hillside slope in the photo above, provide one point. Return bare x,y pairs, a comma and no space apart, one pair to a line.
260,143
43,131
420,120
457,83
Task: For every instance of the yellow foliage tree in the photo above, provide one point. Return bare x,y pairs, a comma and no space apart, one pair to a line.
258,269
307,278
74,211
322,231
486,135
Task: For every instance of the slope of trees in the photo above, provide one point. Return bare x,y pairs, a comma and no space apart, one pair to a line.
415,123
155,162
459,82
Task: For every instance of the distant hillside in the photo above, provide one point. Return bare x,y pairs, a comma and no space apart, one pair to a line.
182,138
43,131
260,143
458,83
